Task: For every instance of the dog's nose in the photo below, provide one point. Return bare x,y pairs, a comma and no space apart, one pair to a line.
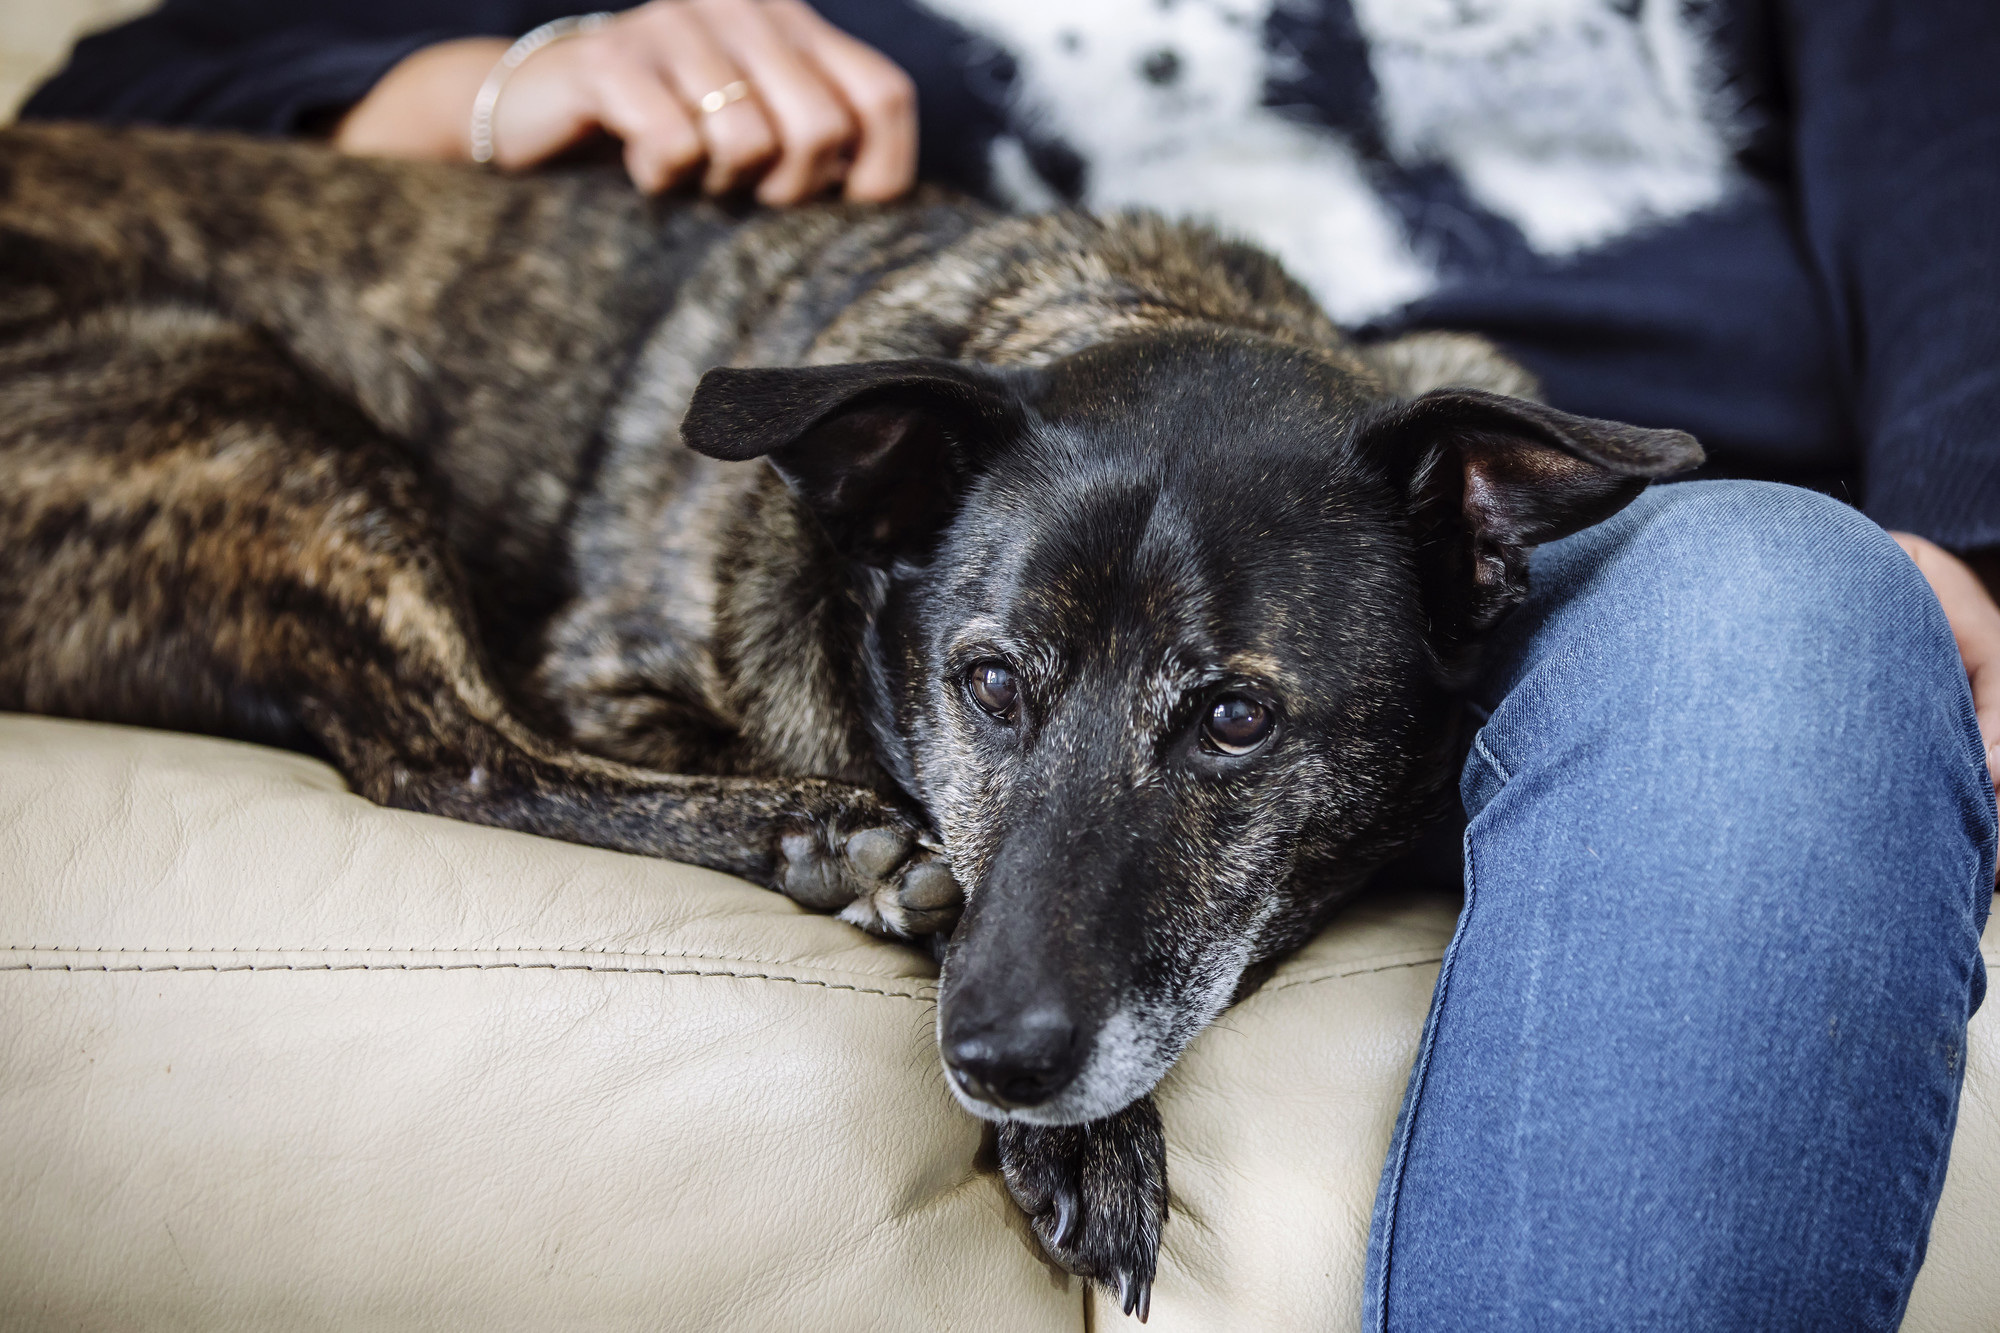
1021,1062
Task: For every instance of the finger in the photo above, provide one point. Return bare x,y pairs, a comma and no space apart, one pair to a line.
815,131
1986,705
1975,626
738,137
879,95
1985,680
1912,545
1975,620
1982,659
662,146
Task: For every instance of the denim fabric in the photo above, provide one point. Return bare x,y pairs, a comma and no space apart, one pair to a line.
1694,1056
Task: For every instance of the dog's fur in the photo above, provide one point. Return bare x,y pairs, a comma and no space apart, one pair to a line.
382,460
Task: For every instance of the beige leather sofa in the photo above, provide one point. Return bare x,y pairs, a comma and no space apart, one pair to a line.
272,1057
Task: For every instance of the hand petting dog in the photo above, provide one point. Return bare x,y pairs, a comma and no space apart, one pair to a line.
734,93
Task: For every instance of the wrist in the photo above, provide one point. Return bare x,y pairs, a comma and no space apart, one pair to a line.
422,107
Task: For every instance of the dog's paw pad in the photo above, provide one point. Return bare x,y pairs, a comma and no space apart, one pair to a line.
916,896
874,852
812,878
929,886
927,897
871,863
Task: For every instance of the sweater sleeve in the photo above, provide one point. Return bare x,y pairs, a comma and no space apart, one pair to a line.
196,63
1897,142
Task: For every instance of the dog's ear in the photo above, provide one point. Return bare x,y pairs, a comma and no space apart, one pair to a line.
880,450
1489,478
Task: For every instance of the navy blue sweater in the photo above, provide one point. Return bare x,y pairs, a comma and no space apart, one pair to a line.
1775,224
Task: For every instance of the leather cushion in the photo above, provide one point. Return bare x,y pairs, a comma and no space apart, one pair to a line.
270,1055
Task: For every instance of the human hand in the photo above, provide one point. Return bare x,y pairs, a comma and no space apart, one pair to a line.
1975,624
823,108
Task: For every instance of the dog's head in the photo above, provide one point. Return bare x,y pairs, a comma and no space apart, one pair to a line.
1162,637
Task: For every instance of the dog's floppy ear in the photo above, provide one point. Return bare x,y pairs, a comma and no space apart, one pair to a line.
879,450
1489,478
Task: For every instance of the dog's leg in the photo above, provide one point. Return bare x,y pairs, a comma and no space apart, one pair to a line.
197,536
1096,1195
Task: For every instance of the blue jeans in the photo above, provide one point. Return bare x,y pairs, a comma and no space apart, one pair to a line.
1694,1056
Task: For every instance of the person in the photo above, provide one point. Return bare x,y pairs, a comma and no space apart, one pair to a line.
1694,1055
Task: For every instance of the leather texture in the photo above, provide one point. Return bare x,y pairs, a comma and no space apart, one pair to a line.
35,37
273,1057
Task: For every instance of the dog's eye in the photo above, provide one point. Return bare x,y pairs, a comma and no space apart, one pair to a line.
994,688
1236,724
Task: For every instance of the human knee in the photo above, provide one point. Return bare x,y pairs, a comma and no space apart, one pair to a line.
1762,640
1773,677
1774,589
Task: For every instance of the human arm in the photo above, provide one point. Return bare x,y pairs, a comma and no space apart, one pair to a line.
1896,136
218,65
825,107
400,80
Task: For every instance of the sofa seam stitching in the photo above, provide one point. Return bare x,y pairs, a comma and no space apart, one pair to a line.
1371,965
1992,958
442,967
1349,972
1340,975
371,949
338,948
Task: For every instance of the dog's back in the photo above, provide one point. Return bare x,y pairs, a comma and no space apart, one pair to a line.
480,322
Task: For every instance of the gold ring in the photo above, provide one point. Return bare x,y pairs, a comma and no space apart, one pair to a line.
735,91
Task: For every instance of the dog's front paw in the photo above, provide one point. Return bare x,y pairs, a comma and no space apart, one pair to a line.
874,865
1096,1195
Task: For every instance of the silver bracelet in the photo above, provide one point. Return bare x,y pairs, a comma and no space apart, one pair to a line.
489,91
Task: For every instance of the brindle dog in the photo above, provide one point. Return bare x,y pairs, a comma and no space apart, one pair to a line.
1087,562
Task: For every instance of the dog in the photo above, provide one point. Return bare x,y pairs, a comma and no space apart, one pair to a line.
1069,590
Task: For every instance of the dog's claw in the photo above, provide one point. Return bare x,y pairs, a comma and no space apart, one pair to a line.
1135,1294
1065,1219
